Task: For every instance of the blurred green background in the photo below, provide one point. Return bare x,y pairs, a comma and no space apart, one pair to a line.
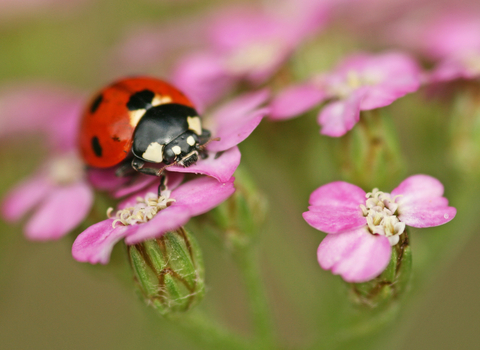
50,301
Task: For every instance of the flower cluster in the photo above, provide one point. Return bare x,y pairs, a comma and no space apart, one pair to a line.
230,62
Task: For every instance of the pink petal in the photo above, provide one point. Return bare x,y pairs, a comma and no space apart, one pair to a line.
417,188
221,166
235,110
41,104
335,208
235,121
357,256
105,179
296,100
426,214
338,194
192,198
421,203
173,181
168,219
338,117
383,95
139,181
95,244
62,211
25,196
202,194
391,74
451,69
203,78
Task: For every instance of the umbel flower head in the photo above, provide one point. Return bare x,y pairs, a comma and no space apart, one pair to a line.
362,227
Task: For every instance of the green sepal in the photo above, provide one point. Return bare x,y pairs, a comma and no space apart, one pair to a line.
393,281
169,271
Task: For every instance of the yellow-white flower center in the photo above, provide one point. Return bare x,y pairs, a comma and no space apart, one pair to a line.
354,80
256,56
65,169
380,211
144,210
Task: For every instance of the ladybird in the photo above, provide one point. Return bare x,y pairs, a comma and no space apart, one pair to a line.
141,120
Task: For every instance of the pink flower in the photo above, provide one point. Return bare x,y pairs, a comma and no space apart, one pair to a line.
58,192
446,35
361,82
45,108
246,44
454,39
362,227
146,217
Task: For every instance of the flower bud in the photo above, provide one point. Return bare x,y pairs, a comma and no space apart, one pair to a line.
391,283
237,220
169,271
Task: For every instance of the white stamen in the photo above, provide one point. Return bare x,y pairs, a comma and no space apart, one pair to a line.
143,211
380,210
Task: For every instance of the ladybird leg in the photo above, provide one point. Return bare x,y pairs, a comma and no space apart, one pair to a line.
138,165
163,185
124,169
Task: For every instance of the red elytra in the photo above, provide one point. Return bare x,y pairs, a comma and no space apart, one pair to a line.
107,124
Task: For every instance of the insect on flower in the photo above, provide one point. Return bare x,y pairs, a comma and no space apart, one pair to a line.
141,120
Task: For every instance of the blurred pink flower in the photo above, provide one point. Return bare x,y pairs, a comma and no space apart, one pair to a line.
40,107
148,47
362,227
454,39
28,8
145,216
361,82
58,191
447,35
246,44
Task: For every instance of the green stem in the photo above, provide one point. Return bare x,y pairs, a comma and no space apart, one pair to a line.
202,328
247,261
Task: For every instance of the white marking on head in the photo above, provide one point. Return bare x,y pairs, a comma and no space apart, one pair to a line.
177,150
190,140
154,153
160,100
135,116
195,125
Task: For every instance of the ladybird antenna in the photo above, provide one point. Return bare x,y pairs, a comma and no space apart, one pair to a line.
202,147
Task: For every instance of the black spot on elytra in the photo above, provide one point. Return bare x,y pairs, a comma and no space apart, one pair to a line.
96,146
96,103
140,100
